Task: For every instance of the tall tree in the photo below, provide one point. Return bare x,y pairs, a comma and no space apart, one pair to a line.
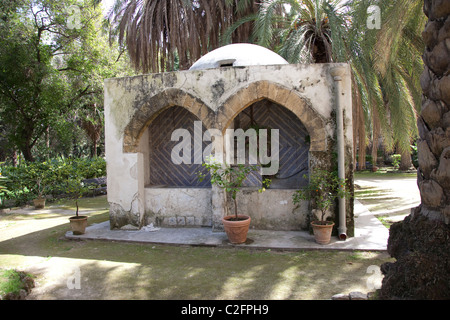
53,61
397,61
92,59
384,72
302,31
32,91
385,63
421,242
320,31
160,34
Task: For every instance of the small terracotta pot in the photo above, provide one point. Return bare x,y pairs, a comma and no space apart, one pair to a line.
39,203
322,232
78,224
236,230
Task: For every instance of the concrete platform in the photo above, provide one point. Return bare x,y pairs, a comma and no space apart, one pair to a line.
370,235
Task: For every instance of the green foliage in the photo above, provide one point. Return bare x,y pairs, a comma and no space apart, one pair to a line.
230,177
10,282
3,189
61,176
396,159
385,63
414,155
323,189
52,75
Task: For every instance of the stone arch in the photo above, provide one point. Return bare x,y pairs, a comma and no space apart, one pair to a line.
148,111
259,90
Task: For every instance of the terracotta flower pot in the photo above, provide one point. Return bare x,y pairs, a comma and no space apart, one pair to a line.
78,224
39,203
236,230
322,232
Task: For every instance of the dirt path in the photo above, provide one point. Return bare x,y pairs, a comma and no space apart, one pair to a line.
390,195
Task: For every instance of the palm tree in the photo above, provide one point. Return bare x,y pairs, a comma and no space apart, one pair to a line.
313,31
92,122
384,68
420,243
397,61
164,35
169,34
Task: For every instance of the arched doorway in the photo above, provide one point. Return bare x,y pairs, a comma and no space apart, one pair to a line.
294,141
164,171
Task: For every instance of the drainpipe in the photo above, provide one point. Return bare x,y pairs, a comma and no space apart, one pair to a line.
337,73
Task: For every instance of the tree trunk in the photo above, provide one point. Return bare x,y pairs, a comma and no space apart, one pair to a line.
421,243
362,151
26,151
27,154
94,149
361,140
406,161
375,136
47,141
14,157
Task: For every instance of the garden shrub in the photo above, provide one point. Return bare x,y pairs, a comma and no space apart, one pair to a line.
55,177
396,159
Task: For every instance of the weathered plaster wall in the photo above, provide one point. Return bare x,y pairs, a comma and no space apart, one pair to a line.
271,210
178,207
215,96
215,86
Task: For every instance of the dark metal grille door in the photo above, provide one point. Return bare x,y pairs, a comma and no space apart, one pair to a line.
294,140
163,172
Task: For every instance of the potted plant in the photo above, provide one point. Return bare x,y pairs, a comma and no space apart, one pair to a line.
230,178
39,202
3,189
37,180
78,223
323,189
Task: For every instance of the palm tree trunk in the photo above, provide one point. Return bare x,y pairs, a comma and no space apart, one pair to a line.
359,132
375,136
421,243
406,160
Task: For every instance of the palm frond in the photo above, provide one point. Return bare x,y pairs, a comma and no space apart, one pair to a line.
163,35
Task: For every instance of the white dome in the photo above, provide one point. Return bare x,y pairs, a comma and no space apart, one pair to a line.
238,55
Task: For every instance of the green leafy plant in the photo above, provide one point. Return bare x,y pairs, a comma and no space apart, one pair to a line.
396,159
323,189
13,281
230,178
414,155
3,189
75,189
50,177
38,178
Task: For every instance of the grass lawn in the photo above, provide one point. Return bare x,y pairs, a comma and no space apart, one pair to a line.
67,269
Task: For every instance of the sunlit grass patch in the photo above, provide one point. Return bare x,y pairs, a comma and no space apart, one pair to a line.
12,281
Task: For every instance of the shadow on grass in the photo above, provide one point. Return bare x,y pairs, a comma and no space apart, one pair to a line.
387,194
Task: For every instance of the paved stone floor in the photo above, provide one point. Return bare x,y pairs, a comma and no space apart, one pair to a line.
370,234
